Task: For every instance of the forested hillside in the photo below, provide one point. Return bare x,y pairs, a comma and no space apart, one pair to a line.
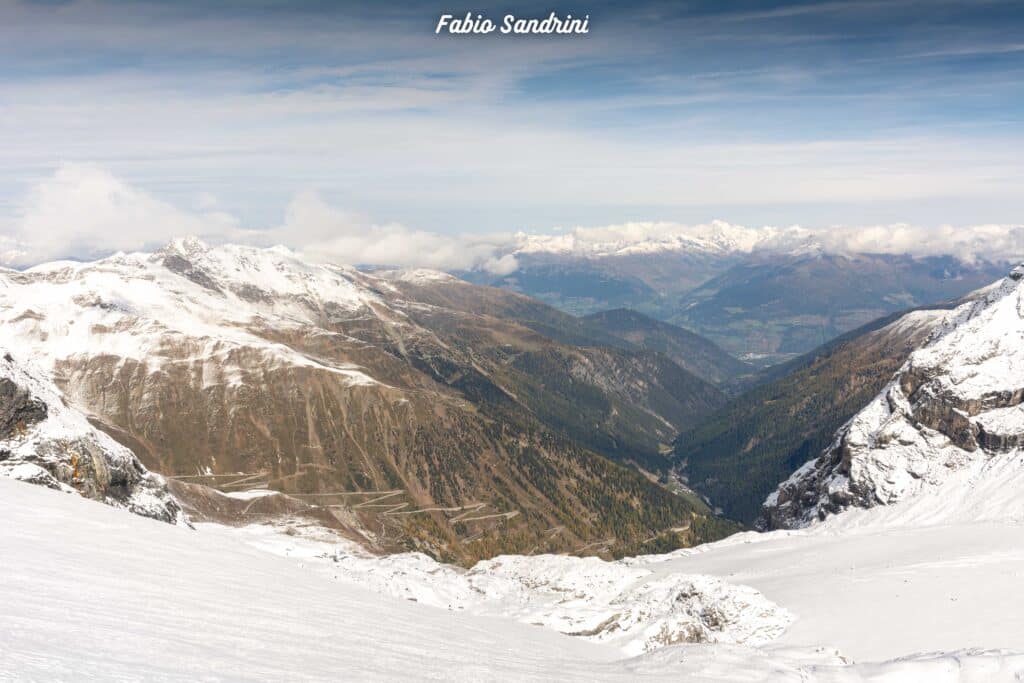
739,455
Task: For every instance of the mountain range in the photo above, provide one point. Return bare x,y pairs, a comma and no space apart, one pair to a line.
421,411
898,555
764,295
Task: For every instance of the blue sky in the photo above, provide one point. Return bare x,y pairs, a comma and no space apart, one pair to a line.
816,113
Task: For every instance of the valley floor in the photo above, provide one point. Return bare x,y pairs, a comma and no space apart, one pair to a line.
91,592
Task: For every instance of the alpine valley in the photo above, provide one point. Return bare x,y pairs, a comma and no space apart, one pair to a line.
765,295
381,474
403,341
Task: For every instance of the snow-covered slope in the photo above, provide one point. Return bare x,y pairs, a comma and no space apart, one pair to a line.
621,604
90,593
876,591
43,441
185,302
945,435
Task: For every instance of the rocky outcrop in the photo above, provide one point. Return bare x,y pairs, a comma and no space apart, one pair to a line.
18,410
44,442
957,403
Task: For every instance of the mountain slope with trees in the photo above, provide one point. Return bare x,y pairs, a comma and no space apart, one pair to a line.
739,454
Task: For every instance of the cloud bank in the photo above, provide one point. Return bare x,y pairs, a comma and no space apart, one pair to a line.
83,211
993,242
326,233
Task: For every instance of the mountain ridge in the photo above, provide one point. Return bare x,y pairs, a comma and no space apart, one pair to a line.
688,349
739,454
321,379
44,442
948,424
764,305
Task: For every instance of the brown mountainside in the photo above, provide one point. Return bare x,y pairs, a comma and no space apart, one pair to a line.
450,427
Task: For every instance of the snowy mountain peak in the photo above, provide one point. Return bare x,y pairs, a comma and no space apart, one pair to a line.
187,303
944,438
189,245
418,276
715,238
253,272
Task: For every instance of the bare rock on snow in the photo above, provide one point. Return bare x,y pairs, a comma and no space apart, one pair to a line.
44,442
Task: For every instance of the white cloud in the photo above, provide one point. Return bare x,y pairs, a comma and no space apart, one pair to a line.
84,211
502,265
988,241
433,143
329,234
991,241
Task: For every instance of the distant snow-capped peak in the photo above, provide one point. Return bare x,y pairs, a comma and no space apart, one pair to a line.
416,276
715,238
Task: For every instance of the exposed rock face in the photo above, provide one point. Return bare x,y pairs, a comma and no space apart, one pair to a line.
318,379
18,409
955,404
44,442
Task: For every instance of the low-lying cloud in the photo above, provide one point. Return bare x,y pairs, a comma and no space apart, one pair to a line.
82,211
993,242
330,234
